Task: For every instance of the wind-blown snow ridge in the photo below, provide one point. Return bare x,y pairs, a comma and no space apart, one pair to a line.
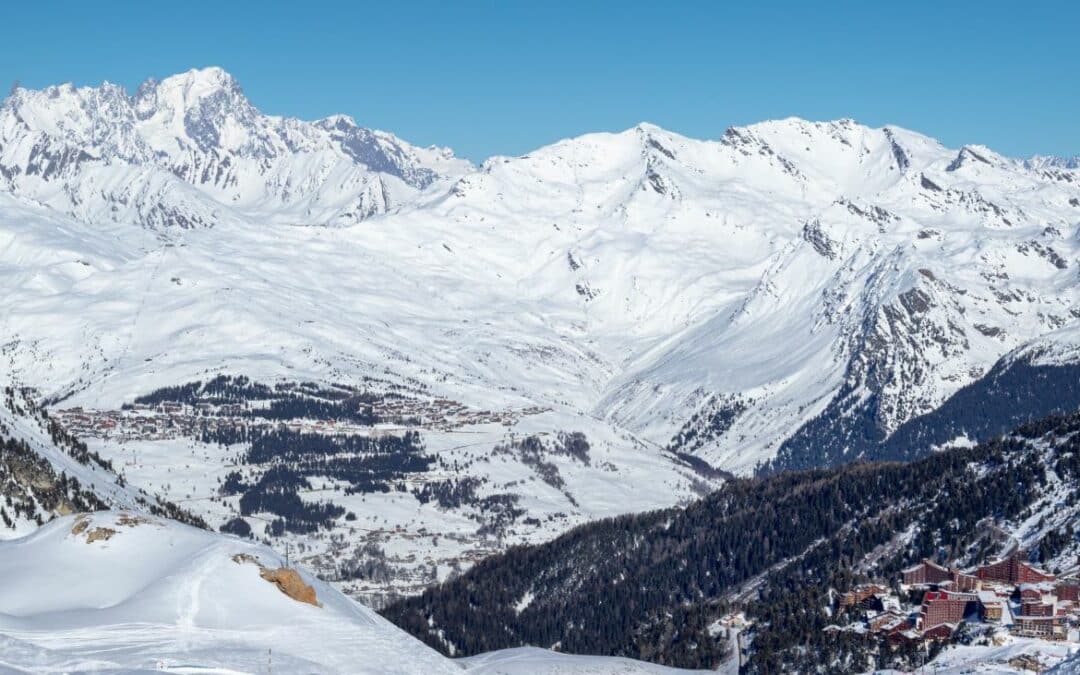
167,595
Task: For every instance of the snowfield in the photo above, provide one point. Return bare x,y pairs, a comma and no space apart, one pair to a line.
533,661
1005,658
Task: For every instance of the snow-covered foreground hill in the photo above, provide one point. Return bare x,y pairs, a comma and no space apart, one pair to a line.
125,592
684,307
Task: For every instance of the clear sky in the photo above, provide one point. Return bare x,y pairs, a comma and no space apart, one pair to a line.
505,77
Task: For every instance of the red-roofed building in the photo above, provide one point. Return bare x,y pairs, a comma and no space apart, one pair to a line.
1046,627
1068,590
1037,608
945,607
1030,593
991,607
926,572
942,631
861,593
1013,571
966,582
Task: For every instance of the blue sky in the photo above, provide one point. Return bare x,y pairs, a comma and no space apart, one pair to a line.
505,77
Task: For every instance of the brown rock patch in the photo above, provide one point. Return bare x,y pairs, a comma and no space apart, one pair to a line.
99,534
291,584
241,558
128,520
80,526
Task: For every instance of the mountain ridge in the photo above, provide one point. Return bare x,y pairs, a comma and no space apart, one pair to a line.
201,601
198,129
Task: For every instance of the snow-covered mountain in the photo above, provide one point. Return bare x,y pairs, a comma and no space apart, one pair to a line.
689,307
1052,162
192,151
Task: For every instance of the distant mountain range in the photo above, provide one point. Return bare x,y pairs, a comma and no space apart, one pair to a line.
191,151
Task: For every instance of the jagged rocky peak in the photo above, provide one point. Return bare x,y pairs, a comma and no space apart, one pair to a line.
186,89
977,154
200,105
380,151
783,131
828,142
1052,162
795,145
656,140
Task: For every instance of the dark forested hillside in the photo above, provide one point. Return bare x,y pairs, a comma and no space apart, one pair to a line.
1009,394
33,490
653,586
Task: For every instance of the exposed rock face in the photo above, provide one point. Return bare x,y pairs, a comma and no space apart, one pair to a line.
99,534
286,579
82,524
32,490
291,584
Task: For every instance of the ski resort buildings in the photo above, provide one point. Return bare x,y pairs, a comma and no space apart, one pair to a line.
1009,594
1013,571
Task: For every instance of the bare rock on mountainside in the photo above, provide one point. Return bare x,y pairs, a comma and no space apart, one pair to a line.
99,534
291,584
124,519
286,579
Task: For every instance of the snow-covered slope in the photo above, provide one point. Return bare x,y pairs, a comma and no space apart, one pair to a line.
688,305
123,591
120,591
534,661
652,276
